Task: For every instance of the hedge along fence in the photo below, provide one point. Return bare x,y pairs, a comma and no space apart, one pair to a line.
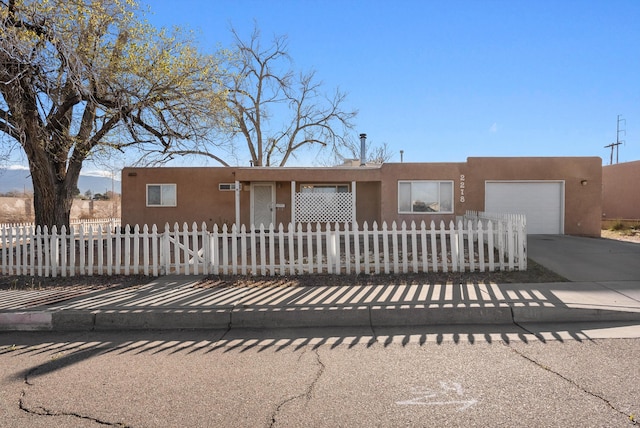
304,249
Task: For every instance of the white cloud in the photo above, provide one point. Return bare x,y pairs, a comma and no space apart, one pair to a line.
96,173
18,167
493,128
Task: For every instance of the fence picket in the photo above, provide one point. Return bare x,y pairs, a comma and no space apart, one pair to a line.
347,248
300,259
393,251
330,240
385,247
252,246
443,247
225,248
480,234
319,248
365,252
281,246
272,252
309,236
376,249
243,249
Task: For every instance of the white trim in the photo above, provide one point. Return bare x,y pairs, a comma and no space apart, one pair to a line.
237,202
293,203
273,201
439,199
161,205
353,204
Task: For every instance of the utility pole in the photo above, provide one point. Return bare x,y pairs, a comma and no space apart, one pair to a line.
618,141
618,131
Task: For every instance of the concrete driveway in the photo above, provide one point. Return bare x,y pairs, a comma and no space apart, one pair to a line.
586,259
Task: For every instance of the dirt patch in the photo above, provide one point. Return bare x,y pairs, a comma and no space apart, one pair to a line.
94,282
628,235
534,274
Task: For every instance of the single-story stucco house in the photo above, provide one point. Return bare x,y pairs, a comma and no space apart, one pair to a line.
621,191
559,195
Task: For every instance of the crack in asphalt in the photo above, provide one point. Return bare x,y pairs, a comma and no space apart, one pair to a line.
631,418
306,395
43,411
373,330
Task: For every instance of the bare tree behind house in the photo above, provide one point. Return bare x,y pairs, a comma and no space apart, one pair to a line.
277,112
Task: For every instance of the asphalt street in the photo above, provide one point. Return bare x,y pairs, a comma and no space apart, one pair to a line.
457,376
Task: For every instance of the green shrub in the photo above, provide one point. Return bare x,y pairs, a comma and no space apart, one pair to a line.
618,225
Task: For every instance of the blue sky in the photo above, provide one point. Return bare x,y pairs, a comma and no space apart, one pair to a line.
445,80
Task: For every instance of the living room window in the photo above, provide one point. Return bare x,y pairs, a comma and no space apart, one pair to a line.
161,195
424,197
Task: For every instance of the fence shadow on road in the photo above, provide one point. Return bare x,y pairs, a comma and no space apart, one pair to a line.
66,349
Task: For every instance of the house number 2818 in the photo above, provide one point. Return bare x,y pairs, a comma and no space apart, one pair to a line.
461,187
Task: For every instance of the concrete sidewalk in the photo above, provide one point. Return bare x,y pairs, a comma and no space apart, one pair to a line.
177,302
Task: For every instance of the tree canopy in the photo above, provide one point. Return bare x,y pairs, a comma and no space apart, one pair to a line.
80,77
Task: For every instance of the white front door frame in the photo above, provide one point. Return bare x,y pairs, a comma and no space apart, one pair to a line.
263,209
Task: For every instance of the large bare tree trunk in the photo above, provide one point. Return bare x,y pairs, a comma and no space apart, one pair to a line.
52,195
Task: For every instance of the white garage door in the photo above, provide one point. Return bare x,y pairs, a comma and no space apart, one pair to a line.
541,201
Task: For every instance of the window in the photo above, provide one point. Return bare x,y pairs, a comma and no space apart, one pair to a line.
161,195
324,188
227,187
425,197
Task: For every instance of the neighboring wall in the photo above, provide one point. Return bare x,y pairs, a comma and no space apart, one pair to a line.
621,191
20,210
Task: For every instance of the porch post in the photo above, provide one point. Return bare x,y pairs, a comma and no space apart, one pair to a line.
293,204
353,202
237,192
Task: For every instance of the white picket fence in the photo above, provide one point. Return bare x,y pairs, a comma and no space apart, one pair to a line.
304,249
111,222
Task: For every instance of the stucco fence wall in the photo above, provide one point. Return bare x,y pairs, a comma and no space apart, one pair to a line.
621,193
20,210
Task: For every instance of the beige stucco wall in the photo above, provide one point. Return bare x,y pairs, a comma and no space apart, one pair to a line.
394,172
583,203
621,191
199,199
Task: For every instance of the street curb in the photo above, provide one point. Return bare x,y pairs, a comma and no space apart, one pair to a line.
540,314
400,315
374,316
26,321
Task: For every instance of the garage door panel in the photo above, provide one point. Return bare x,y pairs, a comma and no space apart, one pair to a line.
541,201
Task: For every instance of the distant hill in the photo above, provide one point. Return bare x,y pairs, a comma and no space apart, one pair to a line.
20,180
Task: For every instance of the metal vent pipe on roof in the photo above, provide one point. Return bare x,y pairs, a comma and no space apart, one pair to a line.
363,149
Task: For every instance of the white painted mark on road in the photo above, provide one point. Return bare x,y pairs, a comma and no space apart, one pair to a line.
449,394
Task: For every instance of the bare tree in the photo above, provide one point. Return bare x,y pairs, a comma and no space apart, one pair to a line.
276,111
79,78
374,153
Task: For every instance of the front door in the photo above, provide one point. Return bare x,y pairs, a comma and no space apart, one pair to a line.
263,196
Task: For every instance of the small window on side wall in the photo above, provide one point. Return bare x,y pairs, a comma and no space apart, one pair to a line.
424,197
161,195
